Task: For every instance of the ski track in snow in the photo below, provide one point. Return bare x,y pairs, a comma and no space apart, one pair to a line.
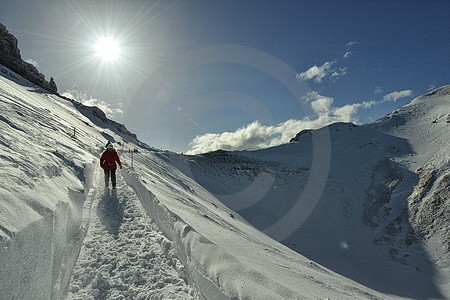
124,254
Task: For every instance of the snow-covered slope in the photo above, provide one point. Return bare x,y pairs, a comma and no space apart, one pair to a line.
368,202
52,198
44,175
363,210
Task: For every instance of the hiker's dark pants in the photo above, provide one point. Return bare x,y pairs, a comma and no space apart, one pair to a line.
112,174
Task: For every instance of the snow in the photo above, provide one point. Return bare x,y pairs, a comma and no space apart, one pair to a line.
216,244
124,254
343,196
298,221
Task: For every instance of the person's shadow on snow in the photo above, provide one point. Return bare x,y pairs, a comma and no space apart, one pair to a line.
110,212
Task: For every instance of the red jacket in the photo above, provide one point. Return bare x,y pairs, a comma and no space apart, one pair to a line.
108,160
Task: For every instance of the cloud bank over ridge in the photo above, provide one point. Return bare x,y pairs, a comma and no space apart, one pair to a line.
258,136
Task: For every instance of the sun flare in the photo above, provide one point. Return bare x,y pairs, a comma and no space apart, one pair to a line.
107,49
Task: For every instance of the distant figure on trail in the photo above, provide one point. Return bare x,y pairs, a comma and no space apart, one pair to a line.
108,162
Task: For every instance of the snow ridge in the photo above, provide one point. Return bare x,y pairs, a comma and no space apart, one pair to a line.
176,230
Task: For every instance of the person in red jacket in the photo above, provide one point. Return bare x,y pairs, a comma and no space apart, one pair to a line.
108,162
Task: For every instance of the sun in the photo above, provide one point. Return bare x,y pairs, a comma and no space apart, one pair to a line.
107,49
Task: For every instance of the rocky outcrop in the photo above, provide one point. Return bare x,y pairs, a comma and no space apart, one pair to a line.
10,58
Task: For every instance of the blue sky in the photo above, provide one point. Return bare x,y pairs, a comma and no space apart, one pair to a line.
203,75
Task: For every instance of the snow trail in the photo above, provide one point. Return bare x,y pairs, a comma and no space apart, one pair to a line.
124,254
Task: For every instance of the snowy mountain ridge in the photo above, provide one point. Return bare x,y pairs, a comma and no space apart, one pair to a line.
346,200
376,211
439,92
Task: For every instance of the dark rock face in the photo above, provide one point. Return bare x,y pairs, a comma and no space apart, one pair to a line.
10,58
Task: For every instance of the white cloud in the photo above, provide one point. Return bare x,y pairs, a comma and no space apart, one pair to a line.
394,96
257,136
377,90
323,106
33,62
316,73
319,104
338,73
328,69
347,113
252,136
89,101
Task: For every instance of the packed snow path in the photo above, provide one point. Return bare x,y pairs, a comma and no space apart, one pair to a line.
124,255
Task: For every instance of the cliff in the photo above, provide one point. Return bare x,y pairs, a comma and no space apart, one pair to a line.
10,58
